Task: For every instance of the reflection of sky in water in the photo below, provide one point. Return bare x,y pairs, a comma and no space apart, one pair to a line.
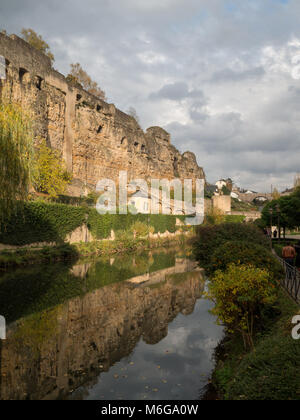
177,368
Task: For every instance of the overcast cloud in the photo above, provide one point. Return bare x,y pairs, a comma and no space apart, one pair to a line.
222,76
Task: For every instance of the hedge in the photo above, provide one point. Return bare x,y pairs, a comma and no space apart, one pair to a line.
38,221
102,225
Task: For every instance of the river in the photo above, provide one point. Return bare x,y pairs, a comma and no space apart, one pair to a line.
122,328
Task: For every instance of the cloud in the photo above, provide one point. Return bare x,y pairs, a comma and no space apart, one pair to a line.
177,92
221,76
229,75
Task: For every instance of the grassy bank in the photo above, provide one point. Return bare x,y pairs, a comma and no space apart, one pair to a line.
125,244
271,372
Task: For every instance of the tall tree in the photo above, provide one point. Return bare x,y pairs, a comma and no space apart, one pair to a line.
36,41
16,146
78,75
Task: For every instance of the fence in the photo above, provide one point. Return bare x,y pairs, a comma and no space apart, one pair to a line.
291,282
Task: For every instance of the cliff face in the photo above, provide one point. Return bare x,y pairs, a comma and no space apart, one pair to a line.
95,138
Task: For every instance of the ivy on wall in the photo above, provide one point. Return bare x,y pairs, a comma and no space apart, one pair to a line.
39,221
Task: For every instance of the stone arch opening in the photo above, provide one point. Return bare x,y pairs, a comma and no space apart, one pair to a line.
38,82
22,74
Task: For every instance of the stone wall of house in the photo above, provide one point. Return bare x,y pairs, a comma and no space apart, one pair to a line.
95,138
222,202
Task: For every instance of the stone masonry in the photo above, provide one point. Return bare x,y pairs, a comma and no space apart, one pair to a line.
96,139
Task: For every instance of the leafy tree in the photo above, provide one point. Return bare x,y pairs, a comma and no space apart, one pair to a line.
289,211
209,238
16,146
36,41
50,175
80,76
275,194
226,190
240,293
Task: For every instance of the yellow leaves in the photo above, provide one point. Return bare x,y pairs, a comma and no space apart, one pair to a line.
238,293
50,175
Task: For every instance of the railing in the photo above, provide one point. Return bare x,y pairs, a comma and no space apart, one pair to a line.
291,282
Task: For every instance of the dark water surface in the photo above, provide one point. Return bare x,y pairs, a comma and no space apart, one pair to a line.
130,327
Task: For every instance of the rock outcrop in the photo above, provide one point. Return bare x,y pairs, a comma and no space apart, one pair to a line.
95,138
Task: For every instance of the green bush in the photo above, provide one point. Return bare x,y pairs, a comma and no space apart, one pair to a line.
234,218
240,252
209,238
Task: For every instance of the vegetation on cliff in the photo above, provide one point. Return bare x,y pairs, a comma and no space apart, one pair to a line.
79,76
37,42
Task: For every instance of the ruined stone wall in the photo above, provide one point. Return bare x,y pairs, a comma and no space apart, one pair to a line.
95,138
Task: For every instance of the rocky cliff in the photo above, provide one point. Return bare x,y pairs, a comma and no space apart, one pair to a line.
95,138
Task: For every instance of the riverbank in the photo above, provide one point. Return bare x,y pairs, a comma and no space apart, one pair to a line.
271,371
29,256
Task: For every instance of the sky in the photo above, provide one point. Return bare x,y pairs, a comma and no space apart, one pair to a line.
222,76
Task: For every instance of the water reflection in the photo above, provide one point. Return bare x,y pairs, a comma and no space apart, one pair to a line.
107,329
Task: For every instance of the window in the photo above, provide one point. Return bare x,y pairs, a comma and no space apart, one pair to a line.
99,107
22,73
38,82
100,128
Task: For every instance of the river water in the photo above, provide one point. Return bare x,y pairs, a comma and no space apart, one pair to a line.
129,327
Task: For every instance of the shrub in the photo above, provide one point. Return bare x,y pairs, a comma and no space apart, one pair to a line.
141,229
214,216
239,295
209,238
240,252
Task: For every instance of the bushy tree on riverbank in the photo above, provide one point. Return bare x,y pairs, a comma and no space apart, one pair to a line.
239,294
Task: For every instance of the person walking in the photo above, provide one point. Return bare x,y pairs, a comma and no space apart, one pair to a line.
289,254
275,234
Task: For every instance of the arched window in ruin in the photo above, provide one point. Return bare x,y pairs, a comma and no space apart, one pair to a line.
23,75
38,82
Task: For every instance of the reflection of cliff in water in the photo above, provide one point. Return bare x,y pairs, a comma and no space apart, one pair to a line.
53,352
